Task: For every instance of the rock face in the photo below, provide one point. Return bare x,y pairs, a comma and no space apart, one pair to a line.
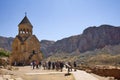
44,45
6,42
99,37
91,38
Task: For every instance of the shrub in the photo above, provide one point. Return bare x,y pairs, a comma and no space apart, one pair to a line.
4,54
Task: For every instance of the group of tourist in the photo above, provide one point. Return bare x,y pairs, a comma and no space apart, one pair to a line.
49,65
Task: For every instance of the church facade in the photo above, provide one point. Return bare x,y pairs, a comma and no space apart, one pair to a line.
26,46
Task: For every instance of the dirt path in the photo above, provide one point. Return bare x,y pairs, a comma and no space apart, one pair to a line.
27,73
48,77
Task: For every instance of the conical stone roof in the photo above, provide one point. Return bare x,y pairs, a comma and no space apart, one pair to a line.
25,21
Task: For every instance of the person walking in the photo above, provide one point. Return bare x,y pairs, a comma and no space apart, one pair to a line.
75,66
69,63
53,65
33,64
61,66
40,63
44,64
37,64
49,65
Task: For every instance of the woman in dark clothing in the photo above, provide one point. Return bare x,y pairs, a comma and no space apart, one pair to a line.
49,65
53,65
61,66
75,66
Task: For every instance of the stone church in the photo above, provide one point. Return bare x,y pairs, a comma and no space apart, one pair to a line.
26,46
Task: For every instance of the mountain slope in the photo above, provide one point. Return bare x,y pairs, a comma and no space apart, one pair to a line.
44,45
92,38
6,42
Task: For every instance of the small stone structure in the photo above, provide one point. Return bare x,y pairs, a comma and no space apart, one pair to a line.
26,46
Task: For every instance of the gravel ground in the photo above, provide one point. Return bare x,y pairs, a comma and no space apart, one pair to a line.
27,73
38,74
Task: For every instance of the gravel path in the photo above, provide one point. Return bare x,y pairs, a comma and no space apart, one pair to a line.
82,75
27,73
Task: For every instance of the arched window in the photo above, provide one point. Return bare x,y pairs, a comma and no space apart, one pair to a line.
23,31
20,31
27,31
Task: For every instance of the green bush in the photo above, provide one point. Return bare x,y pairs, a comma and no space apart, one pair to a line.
4,54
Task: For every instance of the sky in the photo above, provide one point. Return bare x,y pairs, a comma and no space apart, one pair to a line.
57,19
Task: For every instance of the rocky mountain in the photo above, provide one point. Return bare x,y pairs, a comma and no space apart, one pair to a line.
44,45
6,43
92,38
109,55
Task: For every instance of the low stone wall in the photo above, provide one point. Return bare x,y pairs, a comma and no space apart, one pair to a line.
107,72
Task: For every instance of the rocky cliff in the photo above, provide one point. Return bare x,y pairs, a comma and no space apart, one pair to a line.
91,38
45,44
6,42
